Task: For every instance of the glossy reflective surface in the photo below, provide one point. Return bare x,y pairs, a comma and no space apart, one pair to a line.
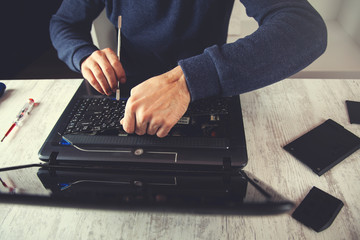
93,187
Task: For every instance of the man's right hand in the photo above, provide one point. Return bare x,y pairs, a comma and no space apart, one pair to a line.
102,69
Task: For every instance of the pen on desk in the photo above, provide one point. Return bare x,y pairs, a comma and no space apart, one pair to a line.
25,110
118,54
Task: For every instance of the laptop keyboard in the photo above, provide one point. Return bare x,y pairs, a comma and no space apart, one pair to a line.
91,116
96,122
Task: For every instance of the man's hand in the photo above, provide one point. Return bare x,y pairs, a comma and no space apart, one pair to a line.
102,69
157,104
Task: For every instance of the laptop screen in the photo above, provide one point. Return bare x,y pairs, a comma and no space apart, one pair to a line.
115,188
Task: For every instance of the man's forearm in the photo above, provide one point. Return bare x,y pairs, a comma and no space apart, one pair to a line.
70,30
291,35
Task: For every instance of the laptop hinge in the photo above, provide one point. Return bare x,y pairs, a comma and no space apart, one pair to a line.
226,163
52,162
52,158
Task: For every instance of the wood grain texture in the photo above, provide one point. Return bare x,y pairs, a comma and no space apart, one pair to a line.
273,116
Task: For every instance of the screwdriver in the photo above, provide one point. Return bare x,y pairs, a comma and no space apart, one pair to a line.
25,110
118,55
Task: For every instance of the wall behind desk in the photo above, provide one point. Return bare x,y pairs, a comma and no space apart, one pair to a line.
24,27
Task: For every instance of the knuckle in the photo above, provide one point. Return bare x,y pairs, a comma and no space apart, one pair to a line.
117,66
85,64
140,129
116,63
139,132
151,131
140,118
157,122
127,127
131,107
95,54
146,116
86,73
92,80
108,69
143,118
133,91
167,124
98,74
162,133
98,53
91,64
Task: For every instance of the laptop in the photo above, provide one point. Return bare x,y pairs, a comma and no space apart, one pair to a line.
197,168
210,134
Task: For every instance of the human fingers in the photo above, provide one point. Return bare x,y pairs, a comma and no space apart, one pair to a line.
164,129
128,122
157,104
108,79
142,118
116,65
153,128
92,70
87,74
141,127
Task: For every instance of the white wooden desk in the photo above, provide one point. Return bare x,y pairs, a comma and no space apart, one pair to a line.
273,116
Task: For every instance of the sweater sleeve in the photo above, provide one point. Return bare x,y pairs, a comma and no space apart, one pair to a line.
290,36
70,30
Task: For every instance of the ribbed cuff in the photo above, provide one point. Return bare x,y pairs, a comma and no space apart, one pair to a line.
201,76
80,54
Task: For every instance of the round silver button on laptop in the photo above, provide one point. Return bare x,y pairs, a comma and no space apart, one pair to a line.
139,151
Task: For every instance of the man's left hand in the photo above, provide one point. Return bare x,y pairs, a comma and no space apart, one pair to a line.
157,104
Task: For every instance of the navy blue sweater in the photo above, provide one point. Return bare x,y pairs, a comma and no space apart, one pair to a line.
158,35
